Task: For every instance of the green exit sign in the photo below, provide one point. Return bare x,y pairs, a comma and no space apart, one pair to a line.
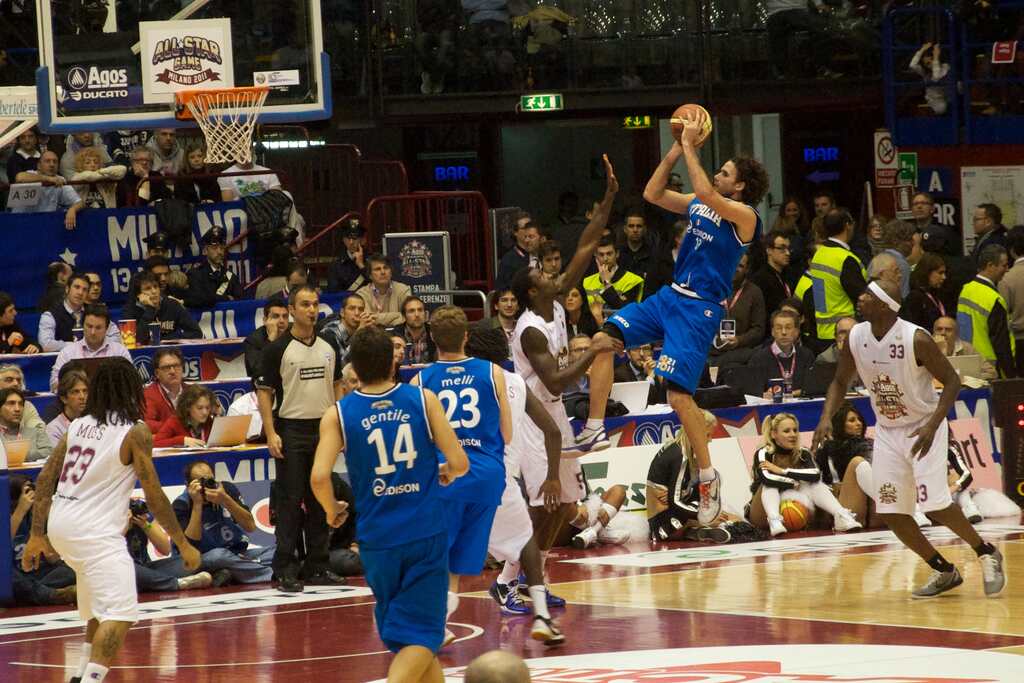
637,122
541,102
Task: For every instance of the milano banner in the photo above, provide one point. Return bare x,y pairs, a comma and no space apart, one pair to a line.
107,241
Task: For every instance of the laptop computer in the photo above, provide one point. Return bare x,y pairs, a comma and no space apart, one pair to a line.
633,395
17,451
967,366
229,430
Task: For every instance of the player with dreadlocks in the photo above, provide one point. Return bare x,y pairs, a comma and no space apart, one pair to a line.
89,479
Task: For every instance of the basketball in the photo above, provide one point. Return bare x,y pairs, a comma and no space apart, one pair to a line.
693,110
794,514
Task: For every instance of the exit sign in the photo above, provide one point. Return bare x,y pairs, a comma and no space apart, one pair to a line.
637,122
542,102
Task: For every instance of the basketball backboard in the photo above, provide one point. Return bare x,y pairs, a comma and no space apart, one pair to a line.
116,64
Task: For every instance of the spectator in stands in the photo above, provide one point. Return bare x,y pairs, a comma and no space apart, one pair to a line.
160,267
55,194
639,367
95,183
783,359
922,208
982,306
72,392
840,274
57,325
164,392
638,248
874,235
53,583
197,190
215,518
947,335
1011,287
579,314
398,356
164,575
349,379
824,201
923,305
57,275
275,321
783,465
12,408
150,306
927,63
745,309
786,17
248,404
157,246
338,328
770,279
524,253
383,296
831,354
898,237
95,342
794,224
120,143
191,422
74,144
95,293
960,269
549,253
211,282
845,461
612,285
884,267
988,228
25,156
13,339
504,312
12,376
142,184
259,179
168,155
347,272
415,330
579,344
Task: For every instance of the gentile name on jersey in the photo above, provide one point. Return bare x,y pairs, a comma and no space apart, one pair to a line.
393,415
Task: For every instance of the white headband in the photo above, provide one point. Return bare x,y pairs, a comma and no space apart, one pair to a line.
877,290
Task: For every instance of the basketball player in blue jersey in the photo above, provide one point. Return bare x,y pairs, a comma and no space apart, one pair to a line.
475,400
391,434
687,313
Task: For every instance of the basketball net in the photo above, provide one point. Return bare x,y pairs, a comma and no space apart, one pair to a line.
227,119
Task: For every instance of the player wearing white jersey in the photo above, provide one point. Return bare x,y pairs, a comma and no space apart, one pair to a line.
897,360
511,537
89,479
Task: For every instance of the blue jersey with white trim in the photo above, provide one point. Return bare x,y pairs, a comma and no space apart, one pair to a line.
392,465
709,253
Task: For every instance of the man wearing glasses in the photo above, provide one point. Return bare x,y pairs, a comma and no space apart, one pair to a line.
162,393
769,277
141,185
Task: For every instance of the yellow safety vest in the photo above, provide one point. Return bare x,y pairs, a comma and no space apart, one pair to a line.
627,281
830,299
972,310
801,286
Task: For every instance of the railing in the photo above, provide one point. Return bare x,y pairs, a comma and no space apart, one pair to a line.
993,94
462,214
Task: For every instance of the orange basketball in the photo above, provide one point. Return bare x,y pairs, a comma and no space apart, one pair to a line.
694,110
794,514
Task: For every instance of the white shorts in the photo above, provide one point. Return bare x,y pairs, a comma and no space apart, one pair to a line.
512,528
901,481
528,446
105,575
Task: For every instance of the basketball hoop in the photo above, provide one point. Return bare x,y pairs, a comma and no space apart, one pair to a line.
227,118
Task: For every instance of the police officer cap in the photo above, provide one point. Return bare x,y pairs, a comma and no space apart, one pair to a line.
353,229
158,240
214,235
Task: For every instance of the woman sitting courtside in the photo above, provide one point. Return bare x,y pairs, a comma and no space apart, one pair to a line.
845,461
781,464
192,420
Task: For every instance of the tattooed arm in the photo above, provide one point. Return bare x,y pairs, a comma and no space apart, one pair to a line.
38,545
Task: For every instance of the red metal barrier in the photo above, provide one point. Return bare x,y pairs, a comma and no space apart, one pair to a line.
462,214
380,178
324,180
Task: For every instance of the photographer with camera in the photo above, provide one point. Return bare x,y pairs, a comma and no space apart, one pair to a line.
216,519
167,574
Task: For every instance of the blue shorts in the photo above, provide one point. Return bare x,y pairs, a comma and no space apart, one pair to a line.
469,529
410,584
686,325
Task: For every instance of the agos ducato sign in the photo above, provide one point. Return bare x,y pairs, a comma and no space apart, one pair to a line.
193,54
90,82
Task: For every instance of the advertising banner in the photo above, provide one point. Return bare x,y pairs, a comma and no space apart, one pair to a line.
185,55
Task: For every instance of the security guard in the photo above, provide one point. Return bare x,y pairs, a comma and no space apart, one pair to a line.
805,292
982,314
615,286
837,275
211,282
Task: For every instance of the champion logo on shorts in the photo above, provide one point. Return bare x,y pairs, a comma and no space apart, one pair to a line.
887,493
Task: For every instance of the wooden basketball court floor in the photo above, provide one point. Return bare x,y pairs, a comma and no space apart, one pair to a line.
826,592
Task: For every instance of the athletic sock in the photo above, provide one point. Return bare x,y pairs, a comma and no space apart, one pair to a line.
864,478
940,564
539,596
94,673
706,474
453,603
609,510
985,548
509,573
594,425
84,658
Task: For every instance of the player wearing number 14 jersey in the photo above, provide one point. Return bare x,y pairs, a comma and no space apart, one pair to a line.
89,479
